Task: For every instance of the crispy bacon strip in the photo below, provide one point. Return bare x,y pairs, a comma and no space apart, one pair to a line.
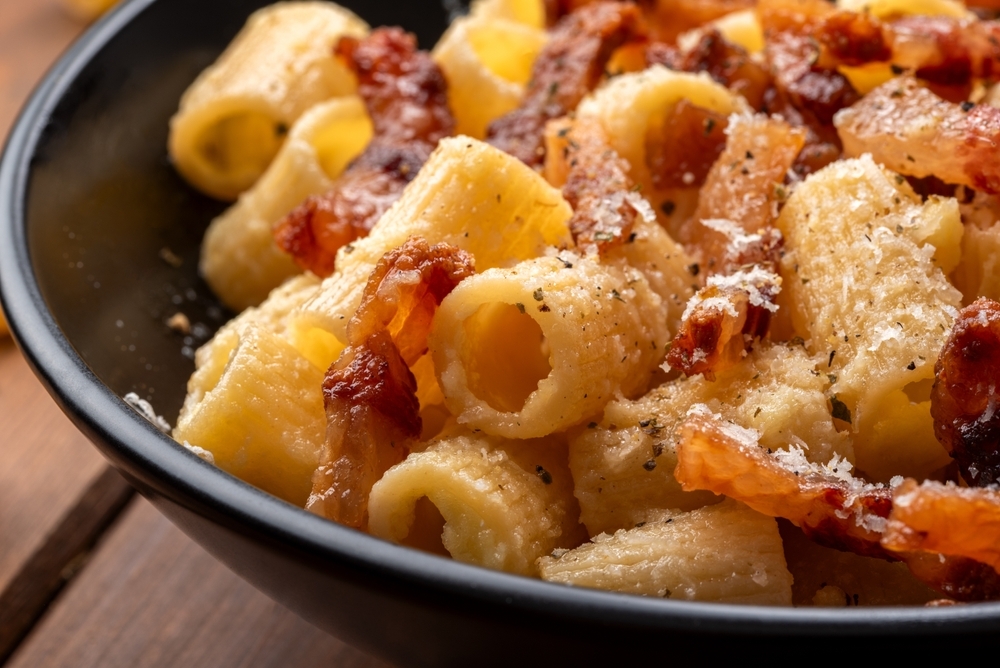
570,65
727,63
370,393
683,146
722,321
911,130
946,50
406,96
837,510
605,205
965,397
945,519
829,505
745,186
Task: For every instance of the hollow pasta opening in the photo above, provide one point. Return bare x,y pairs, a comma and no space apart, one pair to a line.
342,142
243,143
428,525
508,54
505,356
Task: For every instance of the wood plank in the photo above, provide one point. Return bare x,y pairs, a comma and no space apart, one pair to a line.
32,35
45,464
64,552
152,597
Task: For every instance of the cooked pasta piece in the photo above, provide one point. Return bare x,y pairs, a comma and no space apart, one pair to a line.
528,12
263,419
725,553
210,360
866,293
623,466
501,504
526,351
233,119
464,180
487,61
239,258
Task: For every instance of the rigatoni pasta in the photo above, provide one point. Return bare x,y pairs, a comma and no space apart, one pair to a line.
233,119
535,404
502,504
524,352
239,258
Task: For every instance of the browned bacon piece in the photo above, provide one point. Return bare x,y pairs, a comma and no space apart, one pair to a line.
837,510
946,50
722,321
597,186
743,189
829,505
945,519
569,66
965,398
670,18
727,63
406,96
912,131
369,392
681,148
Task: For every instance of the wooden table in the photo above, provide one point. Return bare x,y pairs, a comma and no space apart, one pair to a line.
91,574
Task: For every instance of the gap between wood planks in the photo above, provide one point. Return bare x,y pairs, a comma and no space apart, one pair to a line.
59,558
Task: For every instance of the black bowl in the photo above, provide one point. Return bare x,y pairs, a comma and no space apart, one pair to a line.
89,202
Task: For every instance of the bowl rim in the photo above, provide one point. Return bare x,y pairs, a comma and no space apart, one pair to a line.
168,470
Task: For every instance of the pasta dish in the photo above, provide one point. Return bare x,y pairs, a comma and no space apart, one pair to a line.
683,298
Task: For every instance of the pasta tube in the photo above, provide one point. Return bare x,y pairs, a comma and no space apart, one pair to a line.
867,290
529,12
534,349
263,421
501,504
233,119
468,194
239,258
725,553
487,62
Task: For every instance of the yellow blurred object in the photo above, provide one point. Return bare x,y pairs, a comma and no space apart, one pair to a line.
87,10
3,325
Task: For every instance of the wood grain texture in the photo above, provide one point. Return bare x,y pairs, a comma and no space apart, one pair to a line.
45,463
152,597
32,35
60,557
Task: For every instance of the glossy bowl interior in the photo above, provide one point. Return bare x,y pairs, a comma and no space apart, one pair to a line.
92,220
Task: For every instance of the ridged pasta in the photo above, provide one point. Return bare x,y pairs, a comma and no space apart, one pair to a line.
502,504
263,420
534,349
487,61
865,290
623,466
725,553
239,258
233,119
468,194
663,262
